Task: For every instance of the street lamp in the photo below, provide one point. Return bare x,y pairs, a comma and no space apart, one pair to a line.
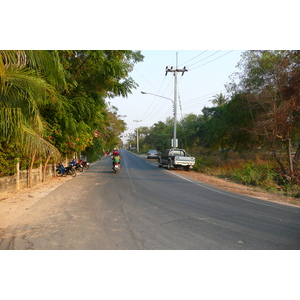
143,92
174,144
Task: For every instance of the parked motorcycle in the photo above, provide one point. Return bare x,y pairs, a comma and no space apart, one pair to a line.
86,165
79,167
62,170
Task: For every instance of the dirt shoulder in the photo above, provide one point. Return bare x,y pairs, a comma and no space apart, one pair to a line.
12,205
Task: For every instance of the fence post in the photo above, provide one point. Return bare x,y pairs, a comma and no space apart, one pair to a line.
41,172
18,174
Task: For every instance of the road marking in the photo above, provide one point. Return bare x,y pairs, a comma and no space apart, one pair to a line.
227,193
220,191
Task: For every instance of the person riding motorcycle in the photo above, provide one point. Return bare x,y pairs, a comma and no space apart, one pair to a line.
116,159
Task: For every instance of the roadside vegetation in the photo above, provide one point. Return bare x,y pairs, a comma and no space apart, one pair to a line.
54,104
252,134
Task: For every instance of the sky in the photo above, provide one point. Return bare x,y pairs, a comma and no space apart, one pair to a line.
208,72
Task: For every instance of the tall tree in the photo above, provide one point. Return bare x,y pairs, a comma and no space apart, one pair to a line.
270,79
159,137
92,77
23,90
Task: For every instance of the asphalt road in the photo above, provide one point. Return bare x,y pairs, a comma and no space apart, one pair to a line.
146,207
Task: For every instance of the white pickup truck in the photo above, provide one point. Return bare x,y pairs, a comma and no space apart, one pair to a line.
176,158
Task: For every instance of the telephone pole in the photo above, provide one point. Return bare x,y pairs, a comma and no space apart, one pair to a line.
175,71
137,135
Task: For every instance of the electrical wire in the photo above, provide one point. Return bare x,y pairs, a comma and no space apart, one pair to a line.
211,60
154,111
136,70
205,58
192,103
153,101
204,96
193,58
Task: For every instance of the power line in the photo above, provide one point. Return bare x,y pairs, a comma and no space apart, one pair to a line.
205,58
175,72
204,96
193,58
135,69
144,116
153,111
211,60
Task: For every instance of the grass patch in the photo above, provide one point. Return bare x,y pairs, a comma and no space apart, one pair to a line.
251,169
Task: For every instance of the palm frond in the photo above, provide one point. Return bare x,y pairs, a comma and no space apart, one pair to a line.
38,144
11,120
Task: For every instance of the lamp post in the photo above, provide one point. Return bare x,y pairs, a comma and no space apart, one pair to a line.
174,144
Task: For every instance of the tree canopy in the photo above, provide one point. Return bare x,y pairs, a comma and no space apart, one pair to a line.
55,101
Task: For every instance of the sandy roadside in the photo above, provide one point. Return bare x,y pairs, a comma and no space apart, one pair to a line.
15,204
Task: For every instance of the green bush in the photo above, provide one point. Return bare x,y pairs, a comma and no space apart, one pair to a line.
8,158
256,175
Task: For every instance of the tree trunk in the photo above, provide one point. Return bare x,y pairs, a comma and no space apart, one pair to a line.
45,167
290,155
30,169
279,162
296,157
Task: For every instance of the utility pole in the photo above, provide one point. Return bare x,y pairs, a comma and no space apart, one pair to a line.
175,71
137,135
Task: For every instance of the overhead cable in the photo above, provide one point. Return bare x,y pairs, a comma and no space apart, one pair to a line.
205,58
211,60
193,58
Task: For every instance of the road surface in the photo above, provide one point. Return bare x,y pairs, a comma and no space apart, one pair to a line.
146,207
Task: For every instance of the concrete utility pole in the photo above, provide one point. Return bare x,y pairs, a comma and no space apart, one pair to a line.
175,71
137,135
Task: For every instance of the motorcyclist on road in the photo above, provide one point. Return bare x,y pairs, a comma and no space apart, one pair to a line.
116,159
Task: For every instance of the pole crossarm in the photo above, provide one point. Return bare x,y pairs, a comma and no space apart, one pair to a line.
175,70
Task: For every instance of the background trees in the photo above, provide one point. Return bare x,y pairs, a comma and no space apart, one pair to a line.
262,111
270,80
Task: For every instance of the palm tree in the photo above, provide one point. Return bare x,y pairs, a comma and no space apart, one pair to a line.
23,89
27,81
219,100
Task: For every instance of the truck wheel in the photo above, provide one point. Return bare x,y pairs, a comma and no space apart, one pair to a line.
169,165
159,164
187,168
